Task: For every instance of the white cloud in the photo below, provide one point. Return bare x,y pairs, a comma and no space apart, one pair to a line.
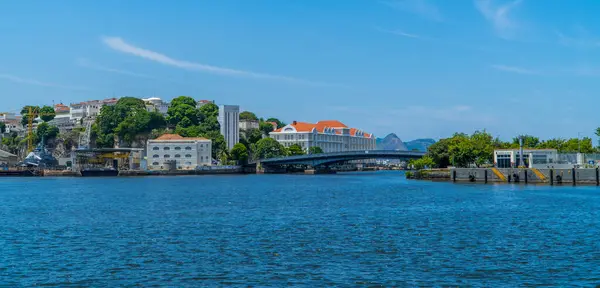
401,33
120,45
20,80
418,7
499,16
581,38
515,69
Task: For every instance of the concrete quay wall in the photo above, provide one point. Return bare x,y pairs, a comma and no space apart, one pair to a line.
527,175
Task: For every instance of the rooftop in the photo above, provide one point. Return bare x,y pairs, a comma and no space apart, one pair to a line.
174,137
322,125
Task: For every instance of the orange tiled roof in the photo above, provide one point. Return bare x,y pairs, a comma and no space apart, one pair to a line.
170,137
320,127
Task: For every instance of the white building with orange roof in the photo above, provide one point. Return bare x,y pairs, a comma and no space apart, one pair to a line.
185,152
329,135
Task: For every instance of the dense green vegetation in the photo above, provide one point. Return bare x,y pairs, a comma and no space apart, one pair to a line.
315,150
239,153
246,115
462,150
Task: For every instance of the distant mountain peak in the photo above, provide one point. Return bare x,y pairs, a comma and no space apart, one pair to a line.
391,142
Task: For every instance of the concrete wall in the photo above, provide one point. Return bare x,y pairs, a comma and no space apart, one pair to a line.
582,176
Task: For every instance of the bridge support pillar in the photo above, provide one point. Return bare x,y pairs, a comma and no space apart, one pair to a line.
319,170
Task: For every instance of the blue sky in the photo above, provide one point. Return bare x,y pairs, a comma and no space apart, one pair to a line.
418,68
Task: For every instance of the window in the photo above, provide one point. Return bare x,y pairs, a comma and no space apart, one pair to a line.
188,148
202,145
155,163
155,156
177,156
155,148
167,156
166,148
188,156
188,163
177,148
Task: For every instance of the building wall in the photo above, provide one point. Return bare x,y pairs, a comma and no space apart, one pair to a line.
248,124
229,119
329,142
188,154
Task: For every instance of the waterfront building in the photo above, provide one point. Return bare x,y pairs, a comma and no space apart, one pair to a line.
248,124
7,159
184,152
329,135
156,104
510,158
229,119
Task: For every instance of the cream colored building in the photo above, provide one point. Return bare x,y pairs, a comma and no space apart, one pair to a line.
330,135
187,153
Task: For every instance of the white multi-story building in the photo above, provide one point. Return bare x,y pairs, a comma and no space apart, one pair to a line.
186,153
156,104
89,109
248,124
229,119
329,135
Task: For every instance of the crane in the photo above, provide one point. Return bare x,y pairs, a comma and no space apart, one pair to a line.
33,112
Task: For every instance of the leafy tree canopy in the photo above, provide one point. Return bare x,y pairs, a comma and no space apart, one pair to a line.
246,115
315,150
269,148
239,152
265,128
279,123
295,149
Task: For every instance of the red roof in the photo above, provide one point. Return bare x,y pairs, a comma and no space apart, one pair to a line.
321,125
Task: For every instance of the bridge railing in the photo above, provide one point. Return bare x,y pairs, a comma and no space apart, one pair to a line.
375,153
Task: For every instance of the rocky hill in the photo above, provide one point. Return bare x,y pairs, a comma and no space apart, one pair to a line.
391,142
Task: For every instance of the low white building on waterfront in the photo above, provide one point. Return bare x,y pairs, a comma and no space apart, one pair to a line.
509,158
185,152
330,135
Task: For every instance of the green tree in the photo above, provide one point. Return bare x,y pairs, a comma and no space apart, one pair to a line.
34,110
45,132
183,113
265,128
422,163
269,148
132,111
462,151
47,113
315,150
555,143
249,116
483,147
295,149
210,110
279,123
252,136
239,152
218,142
12,143
528,142
439,154
2,127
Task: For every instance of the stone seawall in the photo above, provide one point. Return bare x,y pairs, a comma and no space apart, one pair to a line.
527,175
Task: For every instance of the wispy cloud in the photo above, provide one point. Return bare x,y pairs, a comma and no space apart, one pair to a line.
402,33
90,65
581,38
417,7
26,81
499,16
514,69
120,45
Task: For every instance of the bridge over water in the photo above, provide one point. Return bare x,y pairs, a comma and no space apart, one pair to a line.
326,159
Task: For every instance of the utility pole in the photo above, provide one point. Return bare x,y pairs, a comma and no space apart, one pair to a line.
521,163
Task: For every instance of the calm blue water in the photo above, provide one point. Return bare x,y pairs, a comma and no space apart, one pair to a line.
348,230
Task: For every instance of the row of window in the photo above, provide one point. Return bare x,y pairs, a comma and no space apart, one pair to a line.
169,156
156,163
176,148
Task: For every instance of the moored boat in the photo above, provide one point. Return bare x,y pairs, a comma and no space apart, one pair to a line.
99,172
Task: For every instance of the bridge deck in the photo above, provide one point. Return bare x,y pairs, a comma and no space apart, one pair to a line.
343,156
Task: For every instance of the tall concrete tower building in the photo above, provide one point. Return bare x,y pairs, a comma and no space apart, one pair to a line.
229,119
